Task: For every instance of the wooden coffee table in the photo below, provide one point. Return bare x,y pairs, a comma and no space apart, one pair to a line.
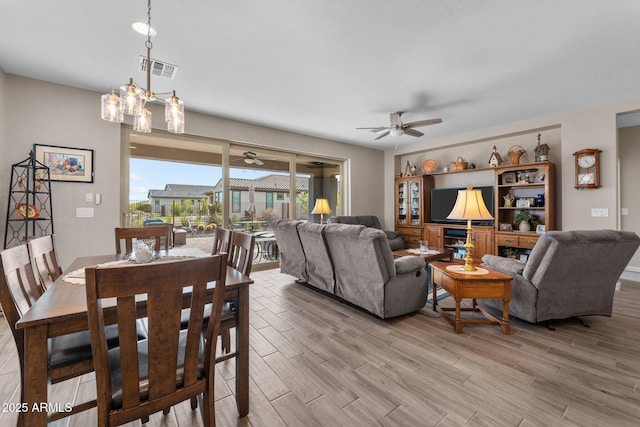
460,284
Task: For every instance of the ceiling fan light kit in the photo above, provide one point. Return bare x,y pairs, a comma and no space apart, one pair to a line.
133,98
397,128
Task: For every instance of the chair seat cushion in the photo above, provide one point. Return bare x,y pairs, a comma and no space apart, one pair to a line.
71,348
143,366
228,312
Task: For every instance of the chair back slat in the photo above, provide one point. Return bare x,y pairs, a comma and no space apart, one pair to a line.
44,260
18,291
160,234
19,285
177,363
241,252
221,240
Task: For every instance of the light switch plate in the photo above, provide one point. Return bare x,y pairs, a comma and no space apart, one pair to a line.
624,211
88,197
599,212
98,198
84,212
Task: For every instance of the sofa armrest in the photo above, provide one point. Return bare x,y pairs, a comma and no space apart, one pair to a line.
505,265
408,264
391,234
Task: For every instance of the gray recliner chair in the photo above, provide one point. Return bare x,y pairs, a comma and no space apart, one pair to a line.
396,242
568,274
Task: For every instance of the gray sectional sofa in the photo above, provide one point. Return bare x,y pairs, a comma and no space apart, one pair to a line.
395,239
354,263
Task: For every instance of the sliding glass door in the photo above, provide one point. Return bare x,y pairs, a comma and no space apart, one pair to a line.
198,184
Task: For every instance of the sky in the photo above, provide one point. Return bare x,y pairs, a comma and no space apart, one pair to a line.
145,175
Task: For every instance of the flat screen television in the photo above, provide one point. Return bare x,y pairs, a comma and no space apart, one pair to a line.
443,200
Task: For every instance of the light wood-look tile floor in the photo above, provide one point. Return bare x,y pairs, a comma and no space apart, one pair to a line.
318,362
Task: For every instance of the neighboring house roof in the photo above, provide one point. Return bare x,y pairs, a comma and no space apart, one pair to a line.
180,191
266,183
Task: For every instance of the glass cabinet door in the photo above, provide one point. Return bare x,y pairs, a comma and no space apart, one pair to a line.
402,194
414,190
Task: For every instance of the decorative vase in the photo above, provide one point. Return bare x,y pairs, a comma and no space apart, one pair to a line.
508,200
524,226
540,200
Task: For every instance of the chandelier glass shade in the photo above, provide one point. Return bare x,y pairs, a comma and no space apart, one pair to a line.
111,110
132,100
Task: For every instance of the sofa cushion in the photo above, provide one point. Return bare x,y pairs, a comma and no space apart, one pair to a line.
370,221
361,271
319,265
292,259
506,265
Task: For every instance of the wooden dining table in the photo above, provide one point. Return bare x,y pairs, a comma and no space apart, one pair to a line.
62,309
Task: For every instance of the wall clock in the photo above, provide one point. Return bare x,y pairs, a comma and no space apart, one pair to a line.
587,168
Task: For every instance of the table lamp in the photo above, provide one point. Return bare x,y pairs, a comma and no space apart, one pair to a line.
470,206
321,207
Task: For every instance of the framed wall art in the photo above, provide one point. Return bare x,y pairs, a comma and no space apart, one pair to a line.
509,178
66,163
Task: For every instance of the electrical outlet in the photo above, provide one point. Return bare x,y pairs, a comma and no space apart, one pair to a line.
624,211
604,212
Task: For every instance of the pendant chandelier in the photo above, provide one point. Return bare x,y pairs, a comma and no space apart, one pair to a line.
132,99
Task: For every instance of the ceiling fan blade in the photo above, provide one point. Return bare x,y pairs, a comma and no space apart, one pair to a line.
413,132
258,162
382,135
422,123
373,129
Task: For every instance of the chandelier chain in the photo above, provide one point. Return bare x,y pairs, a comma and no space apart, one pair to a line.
148,44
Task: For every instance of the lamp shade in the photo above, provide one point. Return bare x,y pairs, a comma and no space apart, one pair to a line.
321,207
470,206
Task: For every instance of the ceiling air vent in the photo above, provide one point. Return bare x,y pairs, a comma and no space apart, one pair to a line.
158,68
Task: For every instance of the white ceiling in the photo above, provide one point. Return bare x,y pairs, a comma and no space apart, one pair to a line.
325,67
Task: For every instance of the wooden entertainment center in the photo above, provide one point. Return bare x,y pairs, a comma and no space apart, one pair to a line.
517,188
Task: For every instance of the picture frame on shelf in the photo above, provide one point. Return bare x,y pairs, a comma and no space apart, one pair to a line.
66,163
509,178
540,228
523,203
505,226
540,176
524,257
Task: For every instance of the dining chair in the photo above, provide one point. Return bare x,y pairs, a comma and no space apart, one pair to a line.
158,233
241,252
221,240
69,355
240,258
140,378
44,260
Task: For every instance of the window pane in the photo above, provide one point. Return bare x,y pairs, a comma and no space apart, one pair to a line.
235,202
321,181
269,200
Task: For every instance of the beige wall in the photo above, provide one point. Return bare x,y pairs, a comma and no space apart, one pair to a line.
629,146
53,114
587,128
4,172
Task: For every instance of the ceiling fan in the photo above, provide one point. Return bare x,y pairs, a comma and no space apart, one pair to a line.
398,128
250,158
